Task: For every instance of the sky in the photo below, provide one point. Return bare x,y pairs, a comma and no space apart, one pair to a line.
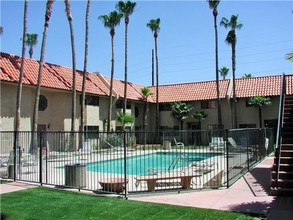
186,43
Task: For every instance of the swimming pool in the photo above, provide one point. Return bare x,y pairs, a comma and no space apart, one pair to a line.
141,164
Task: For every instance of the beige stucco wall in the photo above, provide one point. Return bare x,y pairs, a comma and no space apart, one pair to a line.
57,116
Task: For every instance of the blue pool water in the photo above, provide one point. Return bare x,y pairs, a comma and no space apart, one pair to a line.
141,164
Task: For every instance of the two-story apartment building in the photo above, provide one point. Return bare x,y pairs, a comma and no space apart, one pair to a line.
55,100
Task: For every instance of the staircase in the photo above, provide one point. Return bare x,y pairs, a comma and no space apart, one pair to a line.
283,185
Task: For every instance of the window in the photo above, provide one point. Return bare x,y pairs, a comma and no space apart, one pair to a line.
209,104
91,132
120,104
90,100
43,103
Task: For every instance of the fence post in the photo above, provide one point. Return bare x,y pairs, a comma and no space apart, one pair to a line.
227,159
40,157
125,164
14,154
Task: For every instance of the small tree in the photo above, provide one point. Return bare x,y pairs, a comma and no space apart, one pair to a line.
124,118
259,102
180,111
199,115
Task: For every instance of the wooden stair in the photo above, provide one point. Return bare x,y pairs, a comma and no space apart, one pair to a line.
283,186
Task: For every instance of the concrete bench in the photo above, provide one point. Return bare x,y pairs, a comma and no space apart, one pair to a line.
152,179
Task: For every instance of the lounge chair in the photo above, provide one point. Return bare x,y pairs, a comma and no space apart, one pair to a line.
235,146
178,144
217,143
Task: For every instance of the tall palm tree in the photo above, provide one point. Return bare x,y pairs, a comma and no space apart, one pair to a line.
73,98
48,13
231,39
19,87
289,56
126,8
111,21
146,93
154,25
224,71
84,72
31,41
247,75
259,102
213,4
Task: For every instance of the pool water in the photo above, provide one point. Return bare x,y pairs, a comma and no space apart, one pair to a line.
143,164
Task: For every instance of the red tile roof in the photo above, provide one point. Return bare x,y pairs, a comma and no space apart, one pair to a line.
190,91
54,76
60,77
262,86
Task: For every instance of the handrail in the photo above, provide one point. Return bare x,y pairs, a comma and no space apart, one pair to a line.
280,124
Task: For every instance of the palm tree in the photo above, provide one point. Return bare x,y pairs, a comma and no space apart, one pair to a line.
31,41
124,118
19,87
48,13
259,102
180,111
224,71
247,75
231,39
111,21
73,99
1,29
154,25
84,72
199,115
289,56
126,8
145,91
213,4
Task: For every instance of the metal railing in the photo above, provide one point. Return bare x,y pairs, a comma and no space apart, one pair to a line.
130,162
280,125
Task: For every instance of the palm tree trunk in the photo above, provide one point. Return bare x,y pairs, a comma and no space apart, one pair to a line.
19,88
157,85
217,73
111,85
234,113
41,63
125,71
84,75
73,98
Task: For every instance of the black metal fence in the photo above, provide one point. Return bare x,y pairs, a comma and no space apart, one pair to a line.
150,161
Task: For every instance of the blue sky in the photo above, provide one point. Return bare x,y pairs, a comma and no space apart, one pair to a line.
185,42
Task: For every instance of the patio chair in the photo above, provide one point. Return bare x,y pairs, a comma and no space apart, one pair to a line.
235,146
217,143
178,144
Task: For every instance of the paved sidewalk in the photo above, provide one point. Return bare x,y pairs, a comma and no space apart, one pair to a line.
249,195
